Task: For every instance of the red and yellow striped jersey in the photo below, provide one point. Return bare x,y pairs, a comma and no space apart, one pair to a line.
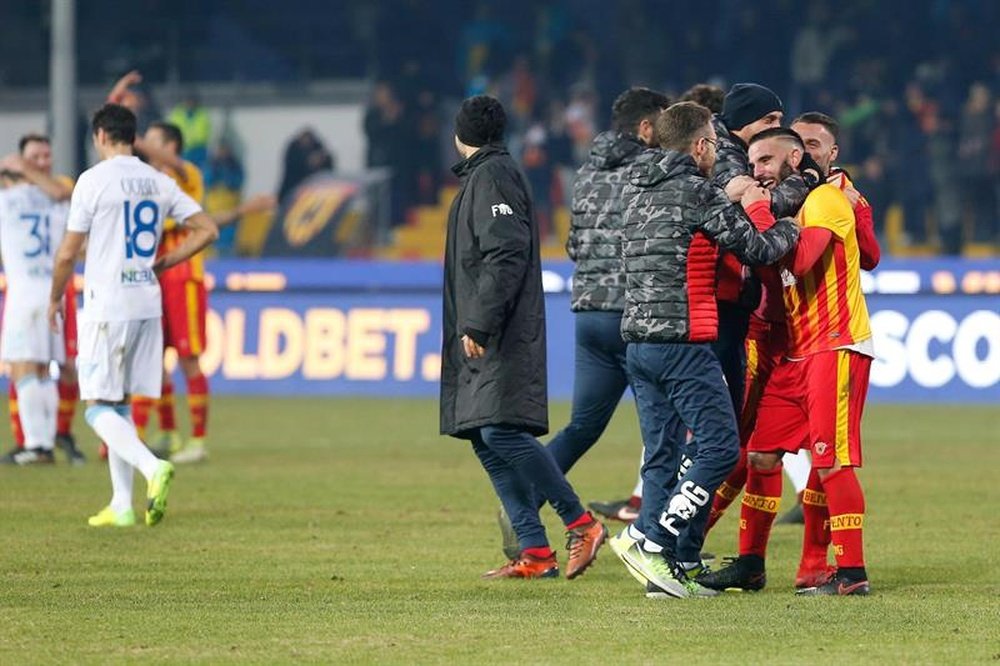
192,185
825,307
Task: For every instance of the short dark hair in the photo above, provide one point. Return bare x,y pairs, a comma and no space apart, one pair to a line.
779,133
680,124
171,132
635,105
31,138
819,118
707,95
117,121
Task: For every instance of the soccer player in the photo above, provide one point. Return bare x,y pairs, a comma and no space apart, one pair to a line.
118,210
184,308
815,396
31,223
676,221
33,164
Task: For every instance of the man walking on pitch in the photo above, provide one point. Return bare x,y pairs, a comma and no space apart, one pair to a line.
493,374
675,223
117,210
594,245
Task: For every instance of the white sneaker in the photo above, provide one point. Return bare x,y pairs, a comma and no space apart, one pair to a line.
192,452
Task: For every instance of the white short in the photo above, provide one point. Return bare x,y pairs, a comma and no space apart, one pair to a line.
27,337
119,358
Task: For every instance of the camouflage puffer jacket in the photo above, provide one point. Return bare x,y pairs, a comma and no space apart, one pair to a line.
595,229
675,222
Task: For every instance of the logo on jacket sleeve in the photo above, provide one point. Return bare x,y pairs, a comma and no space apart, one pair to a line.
501,209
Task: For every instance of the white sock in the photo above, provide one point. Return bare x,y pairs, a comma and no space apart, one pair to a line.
797,466
51,392
119,434
637,491
651,547
121,482
32,406
634,532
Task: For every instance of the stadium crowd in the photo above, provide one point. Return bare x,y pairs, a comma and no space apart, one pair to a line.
918,119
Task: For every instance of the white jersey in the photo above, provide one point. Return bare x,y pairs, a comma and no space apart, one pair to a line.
31,227
122,203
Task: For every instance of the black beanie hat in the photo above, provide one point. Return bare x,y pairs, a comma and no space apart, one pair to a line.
480,120
747,102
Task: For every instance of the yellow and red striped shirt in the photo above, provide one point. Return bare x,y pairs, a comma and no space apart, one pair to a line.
192,185
825,307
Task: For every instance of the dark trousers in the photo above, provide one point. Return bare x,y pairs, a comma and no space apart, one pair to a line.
517,464
730,349
599,381
680,387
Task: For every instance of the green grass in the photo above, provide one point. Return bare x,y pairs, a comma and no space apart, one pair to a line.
349,532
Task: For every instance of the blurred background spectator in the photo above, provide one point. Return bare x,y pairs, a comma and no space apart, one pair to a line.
196,127
305,155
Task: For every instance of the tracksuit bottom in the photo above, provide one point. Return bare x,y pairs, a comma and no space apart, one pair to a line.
679,388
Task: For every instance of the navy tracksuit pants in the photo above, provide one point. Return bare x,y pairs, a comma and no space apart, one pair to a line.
680,387
599,382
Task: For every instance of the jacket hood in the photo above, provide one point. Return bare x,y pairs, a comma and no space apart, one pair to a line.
724,135
655,166
611,150
467,166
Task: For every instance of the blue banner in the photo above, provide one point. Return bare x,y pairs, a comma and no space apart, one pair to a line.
333,327
322,327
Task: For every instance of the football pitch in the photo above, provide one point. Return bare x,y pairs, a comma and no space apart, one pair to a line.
348,531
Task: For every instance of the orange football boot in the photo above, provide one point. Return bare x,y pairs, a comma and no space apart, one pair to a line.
583,544
527,566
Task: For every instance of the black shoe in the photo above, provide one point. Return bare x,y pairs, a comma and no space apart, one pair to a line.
30,457
745,573
793,516
615,510
67,444
839,585
8,458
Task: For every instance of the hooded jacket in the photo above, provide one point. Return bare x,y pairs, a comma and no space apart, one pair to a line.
676,221
594,242
493,293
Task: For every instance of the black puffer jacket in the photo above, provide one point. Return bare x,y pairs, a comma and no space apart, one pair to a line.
595,230
675,222
493,293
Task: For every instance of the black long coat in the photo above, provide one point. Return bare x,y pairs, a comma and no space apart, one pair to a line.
493,289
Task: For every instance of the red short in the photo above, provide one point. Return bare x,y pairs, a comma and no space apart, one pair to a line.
184,307
815,403
69,323
766,346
